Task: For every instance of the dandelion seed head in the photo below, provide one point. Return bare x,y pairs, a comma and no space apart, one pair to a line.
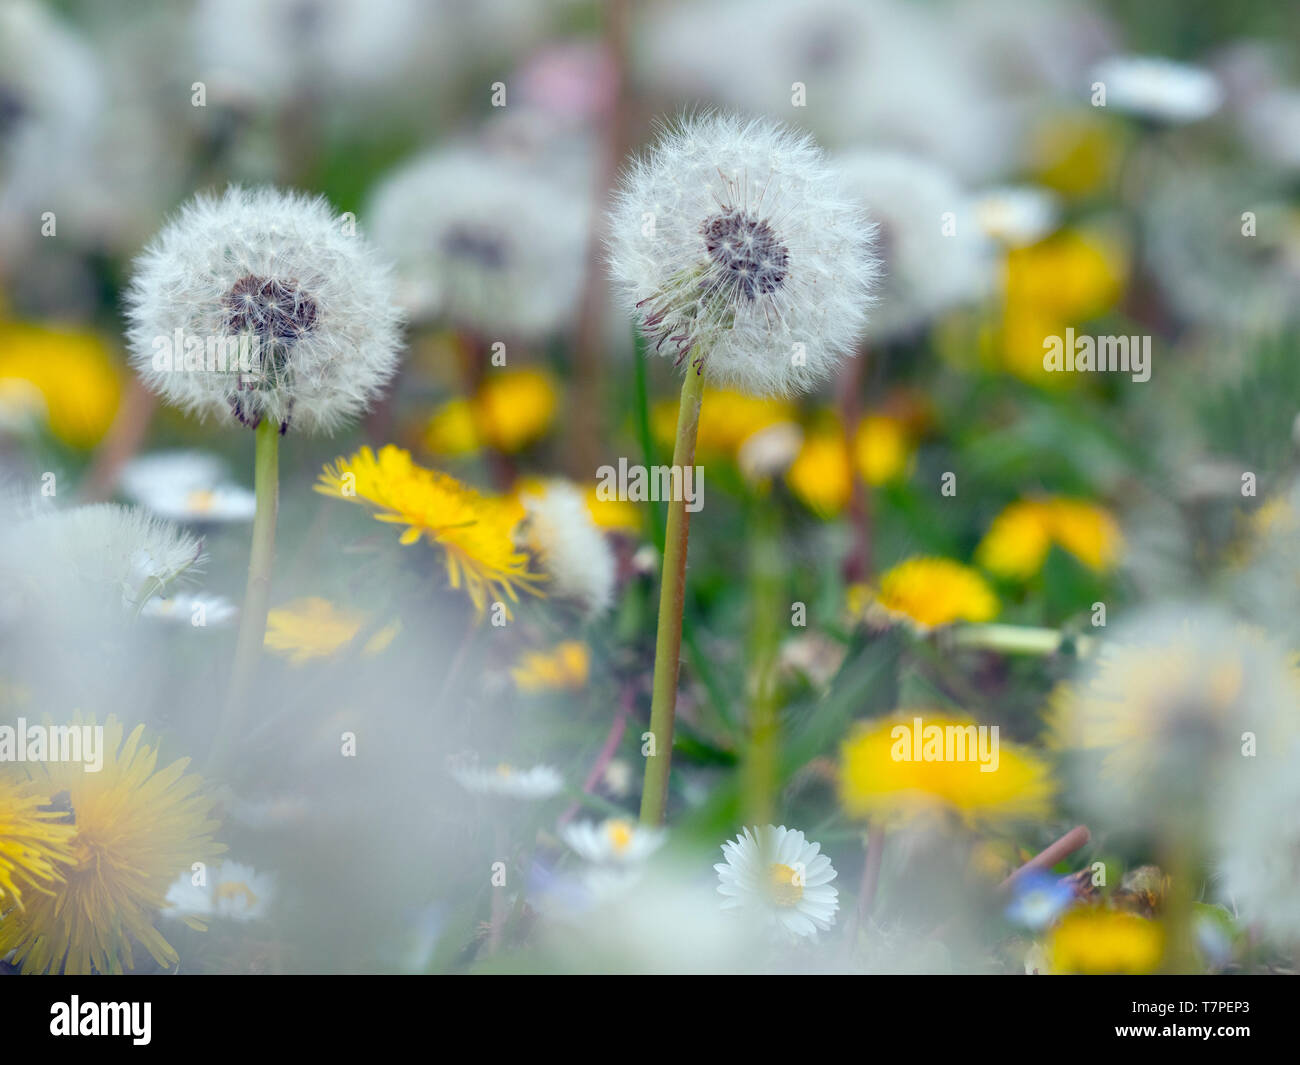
571,547
483,243
734,240
277,270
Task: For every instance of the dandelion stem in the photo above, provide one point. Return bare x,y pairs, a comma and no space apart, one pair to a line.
763,747
257,595
672,599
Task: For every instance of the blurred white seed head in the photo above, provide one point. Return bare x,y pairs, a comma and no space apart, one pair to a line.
864,71
99,560
1154,730
258,51
297,285
572,549
1257,839
483,243
735,241
49,109
934,254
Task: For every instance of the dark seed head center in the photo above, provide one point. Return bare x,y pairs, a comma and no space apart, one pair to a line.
276,310
750,257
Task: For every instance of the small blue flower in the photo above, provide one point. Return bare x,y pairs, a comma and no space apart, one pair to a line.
1038,900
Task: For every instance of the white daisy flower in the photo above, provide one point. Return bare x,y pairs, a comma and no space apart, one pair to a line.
539,782
237,892
487,245
572,549
279,274
1017,215
198,611
186,486
778,877
186,900
734,240
932,250
1159,89
100,556
615,841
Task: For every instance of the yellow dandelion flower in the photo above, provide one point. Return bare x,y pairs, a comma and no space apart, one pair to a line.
32,840
1074,154
565,668
1093,941
881,449
515,408
615,515
134,829
727,419
79,380
1086,531
315,628
901,767
1016,545
929,592
821,475
1073,274
512,409
476,532
453,430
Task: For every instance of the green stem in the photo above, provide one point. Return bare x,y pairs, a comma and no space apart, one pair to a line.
763,747
672,599
257,595
1013,639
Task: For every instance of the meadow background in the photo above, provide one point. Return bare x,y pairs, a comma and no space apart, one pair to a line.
1119,577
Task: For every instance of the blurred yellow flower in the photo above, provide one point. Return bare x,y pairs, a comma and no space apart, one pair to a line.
515,408
1019,538
1073,274
512,409
315,628
476,532
135,828
1092,941
727,419
453,430
1075,154
565,668
821,476
32,840
928,592
881,449
616,515
79,380
1066,279
881,776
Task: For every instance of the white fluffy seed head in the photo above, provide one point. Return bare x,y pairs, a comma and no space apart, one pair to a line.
572,549
932,251
735,240
95,561
278,270
482,243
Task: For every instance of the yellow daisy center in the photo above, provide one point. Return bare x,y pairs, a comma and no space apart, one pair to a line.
233,889
620,835
784,885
